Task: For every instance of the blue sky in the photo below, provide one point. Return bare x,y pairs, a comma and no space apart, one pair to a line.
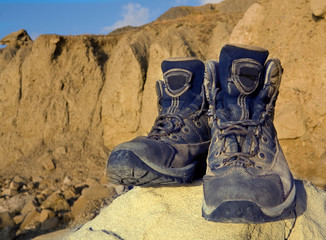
74,17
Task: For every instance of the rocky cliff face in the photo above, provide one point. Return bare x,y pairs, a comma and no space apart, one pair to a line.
70,99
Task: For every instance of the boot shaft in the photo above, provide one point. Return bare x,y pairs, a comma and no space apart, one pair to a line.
182,84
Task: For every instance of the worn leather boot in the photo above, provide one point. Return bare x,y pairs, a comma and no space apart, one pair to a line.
247,179
176,148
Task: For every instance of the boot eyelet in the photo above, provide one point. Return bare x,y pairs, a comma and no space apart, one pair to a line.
198,124
174,137
185,130
264,139
261,155
216,166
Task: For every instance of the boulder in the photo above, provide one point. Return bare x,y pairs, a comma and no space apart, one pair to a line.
56,202
90,202
16,39
318,7
175,213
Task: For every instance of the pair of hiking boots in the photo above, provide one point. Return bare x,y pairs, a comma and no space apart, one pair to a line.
217,121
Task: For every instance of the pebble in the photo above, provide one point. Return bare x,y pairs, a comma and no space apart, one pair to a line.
36,203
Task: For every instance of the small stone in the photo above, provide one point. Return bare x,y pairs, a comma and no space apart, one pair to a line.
18,219
90,200
67,180
37,179
6,220
46,214
48,164
50,223
120,189
98,192
59,152
70,193
31,221
10,192
67,217
56,202
14,185
29,207
318,7
17,203
47,192
20,180
41,197
7,182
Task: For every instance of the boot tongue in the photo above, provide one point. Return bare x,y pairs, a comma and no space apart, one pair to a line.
183,78
177,81
240,70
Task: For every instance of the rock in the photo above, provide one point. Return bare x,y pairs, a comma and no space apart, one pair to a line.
50,223
59,152
318,7
67,181
88,204
9,192
18,219
14,185
56,202
18,202
175,212
30,206
70,193
7,233
31,221
47,162
16,39
97,192
246,29
6,220
46,214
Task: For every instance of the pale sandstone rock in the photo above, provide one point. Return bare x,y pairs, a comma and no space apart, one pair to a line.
47,162
175,213
91,199
18,219
46,214
49,223
6,219
31,221
56,202
318,7
16,39
246,29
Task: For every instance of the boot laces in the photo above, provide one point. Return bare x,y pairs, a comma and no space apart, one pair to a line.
166,124
242,130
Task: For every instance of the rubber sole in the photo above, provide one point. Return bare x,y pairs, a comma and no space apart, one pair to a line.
125,168
249,212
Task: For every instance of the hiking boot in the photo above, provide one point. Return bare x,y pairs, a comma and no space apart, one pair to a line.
176,148
247,179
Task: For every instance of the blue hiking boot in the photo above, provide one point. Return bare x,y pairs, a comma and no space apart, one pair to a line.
176,148
247,179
